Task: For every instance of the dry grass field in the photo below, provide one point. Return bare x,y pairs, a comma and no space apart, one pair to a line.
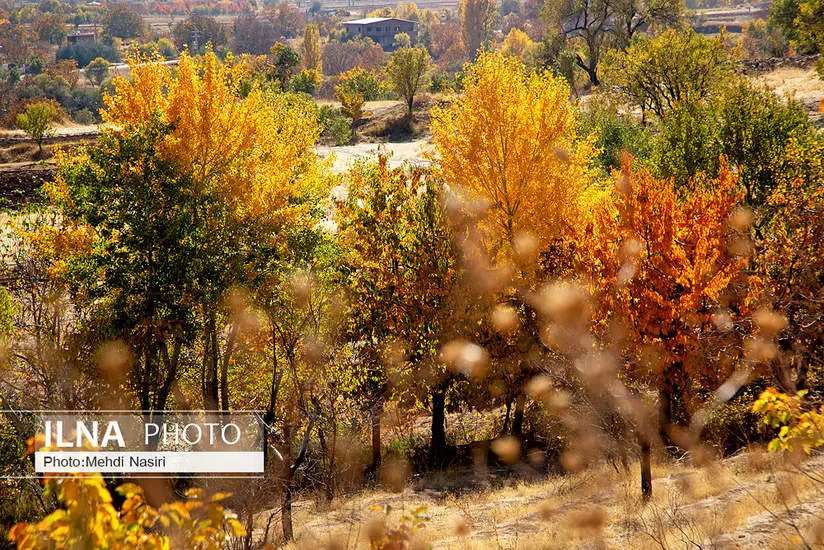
754,500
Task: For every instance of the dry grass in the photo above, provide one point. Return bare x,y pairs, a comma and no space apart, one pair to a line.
719,506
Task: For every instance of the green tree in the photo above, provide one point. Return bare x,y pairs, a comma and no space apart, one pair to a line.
123,22
405,73
657,73
37,121
97,71
398,266
594,25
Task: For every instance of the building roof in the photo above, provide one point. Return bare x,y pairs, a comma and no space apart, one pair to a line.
371,20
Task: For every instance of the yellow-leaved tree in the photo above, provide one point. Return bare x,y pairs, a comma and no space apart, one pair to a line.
510,140
255,149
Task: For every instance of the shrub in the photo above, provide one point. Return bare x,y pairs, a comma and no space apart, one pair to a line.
335,125
84,116
307,81
363,83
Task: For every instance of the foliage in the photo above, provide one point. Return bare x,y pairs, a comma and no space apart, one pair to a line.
363,82
478,18
311,50
674,67
122,21
196,32
401,40
351,104
97,71
665,269
517,42
598,24
50,28
282,62
614,132
84,52
800,23
511,140
747,124
398,267
405,72
252,35
800,427
383,537
308,81
37,121
89,520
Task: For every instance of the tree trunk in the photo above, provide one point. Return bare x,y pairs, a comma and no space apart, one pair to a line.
286,514
275,387
210,383
664,414
437,447
375,413
518,415
646,468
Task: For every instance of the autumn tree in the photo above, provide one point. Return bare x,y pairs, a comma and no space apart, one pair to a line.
398,267
196,31
792,263
516,43
236,174
37,120
252,35
123,22
675,67
478,18
50,28
670,271
405,73
510,140
310,48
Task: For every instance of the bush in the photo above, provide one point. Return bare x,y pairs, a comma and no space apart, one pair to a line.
307,82
335,125
613,132
84,116
363,83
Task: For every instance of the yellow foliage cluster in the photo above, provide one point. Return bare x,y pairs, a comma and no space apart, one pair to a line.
256,150
89,520
799,429
510,140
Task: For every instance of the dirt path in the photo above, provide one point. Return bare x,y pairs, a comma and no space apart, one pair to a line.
408,151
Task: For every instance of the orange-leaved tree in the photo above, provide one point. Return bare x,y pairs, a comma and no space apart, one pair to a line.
670,274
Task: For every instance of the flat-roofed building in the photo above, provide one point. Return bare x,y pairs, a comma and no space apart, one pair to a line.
380,29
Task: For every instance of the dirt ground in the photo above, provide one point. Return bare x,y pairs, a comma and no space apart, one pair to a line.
803,84
752,501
